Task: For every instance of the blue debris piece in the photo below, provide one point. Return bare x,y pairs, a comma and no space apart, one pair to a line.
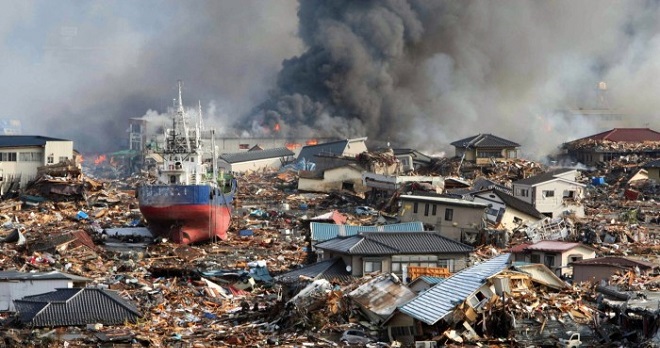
246,233
82,215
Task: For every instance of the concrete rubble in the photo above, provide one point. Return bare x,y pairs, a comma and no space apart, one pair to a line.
223,293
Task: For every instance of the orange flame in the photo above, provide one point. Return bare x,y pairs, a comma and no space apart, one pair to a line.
99,159
293,146
277,127
311,142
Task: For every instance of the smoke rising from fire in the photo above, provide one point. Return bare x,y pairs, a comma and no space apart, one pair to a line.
418,73
425,73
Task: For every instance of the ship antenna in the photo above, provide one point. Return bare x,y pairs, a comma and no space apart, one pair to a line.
201,124
181,113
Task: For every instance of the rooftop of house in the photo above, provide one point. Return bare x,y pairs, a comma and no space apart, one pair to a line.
76,307
440,300
387,243
25,140
484,141
325,231
517,204
617,262
544,177
31,276
631,135
254,155
549,245
332,269
443,200
336,148
652,164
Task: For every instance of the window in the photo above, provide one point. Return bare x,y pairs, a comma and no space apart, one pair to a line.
569,194
426,209
535,258
51,159
63,159
415,208
489,154
446,263
373,266
435,209
548,193
549,261
8,157
30,157
523,192
449,214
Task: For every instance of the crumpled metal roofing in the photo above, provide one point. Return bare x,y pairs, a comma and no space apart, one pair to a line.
437,302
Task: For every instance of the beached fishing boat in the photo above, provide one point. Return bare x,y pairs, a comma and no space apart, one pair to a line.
187,204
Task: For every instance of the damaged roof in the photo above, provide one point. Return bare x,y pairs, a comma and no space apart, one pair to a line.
652,164
617,262
254,155
554,246
385,243
54,275
631,135
440,300
335,148
76,307
332,269
382,295
484,141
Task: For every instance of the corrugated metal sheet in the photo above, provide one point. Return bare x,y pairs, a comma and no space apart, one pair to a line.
387,243
325,231
382,295
440,300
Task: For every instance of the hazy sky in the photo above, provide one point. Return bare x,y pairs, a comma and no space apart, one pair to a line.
421,73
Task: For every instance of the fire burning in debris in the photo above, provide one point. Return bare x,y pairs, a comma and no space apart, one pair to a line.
277,127
312,142
293,146
100,159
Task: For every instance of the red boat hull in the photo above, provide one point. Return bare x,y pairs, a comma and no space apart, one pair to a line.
188,223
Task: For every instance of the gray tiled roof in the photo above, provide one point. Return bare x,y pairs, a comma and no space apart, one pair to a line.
438,301
387,243
75,307
543,177
518,204
25,140
238,157
328,269
484,141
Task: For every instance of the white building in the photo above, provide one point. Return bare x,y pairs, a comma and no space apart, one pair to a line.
552,193
22,155
15,285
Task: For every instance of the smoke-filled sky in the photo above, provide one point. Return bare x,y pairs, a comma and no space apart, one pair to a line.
418,73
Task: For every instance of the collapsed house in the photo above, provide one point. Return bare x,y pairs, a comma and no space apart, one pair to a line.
613,144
